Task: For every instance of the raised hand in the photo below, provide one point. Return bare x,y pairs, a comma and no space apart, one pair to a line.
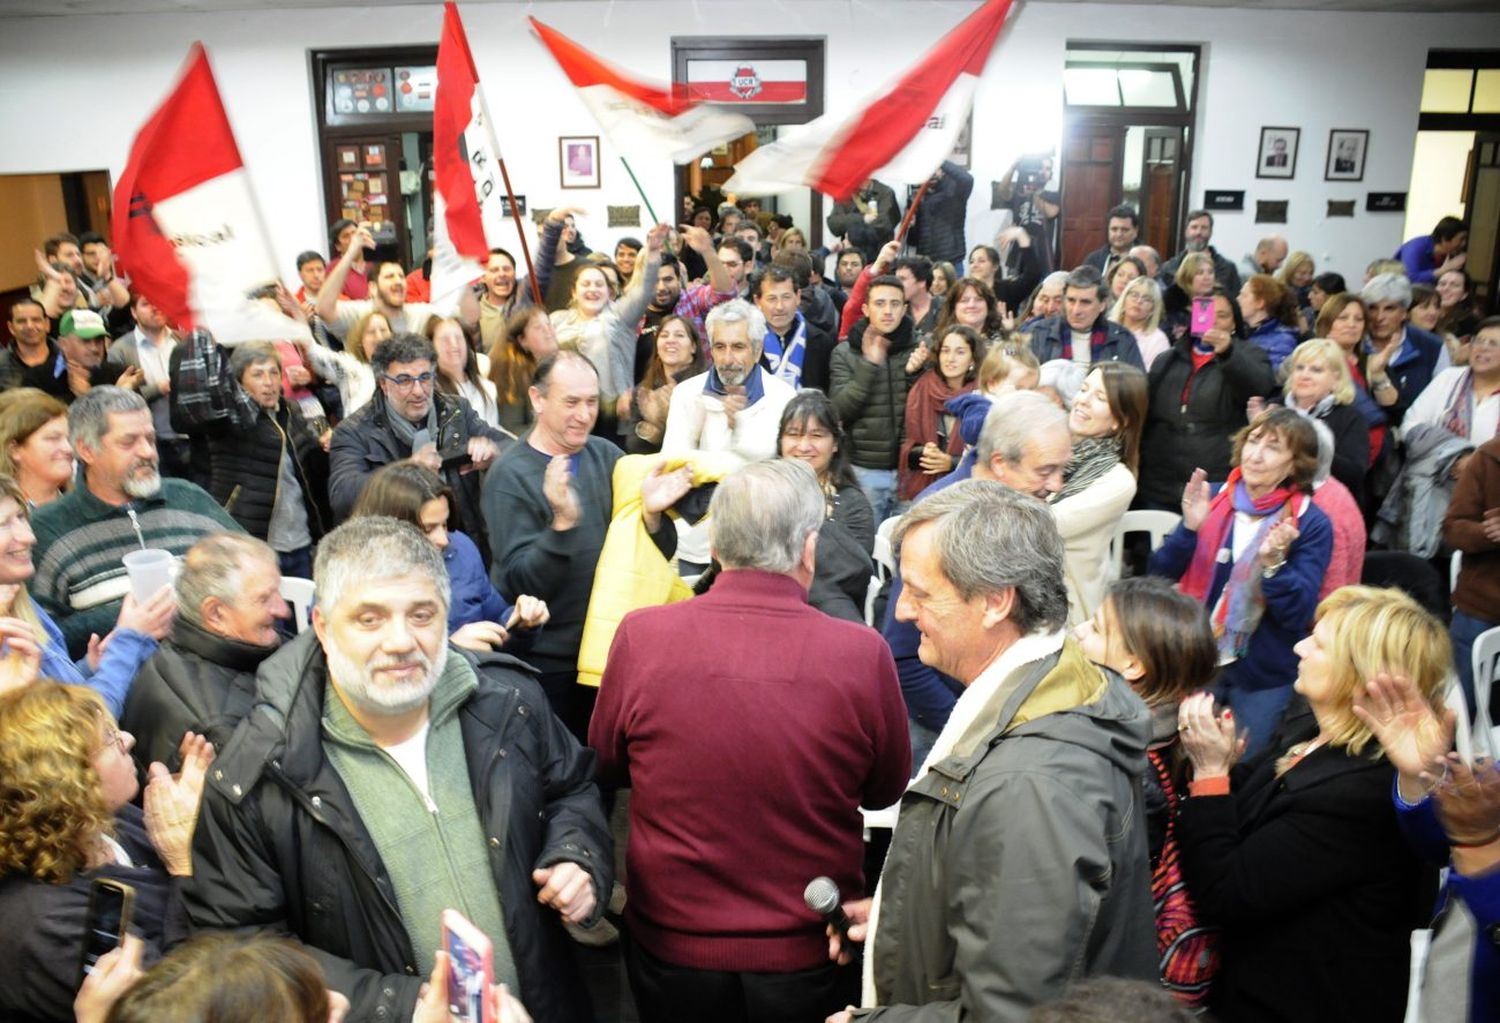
698,239
171,804
918,358
557,488
1195,500
1208,739
1409,730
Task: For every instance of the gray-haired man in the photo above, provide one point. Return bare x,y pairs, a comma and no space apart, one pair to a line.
202,676
383,777
1019,862
718,926
123,505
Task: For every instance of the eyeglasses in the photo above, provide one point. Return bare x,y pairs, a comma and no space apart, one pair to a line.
116,738
406,381
1484,342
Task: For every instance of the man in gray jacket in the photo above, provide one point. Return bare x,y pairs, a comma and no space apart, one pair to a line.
1019,864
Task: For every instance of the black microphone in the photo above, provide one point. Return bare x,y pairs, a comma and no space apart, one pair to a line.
822,897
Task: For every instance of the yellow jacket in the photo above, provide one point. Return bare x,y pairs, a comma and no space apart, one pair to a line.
631,572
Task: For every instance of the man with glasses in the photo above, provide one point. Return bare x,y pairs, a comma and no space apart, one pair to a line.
408,418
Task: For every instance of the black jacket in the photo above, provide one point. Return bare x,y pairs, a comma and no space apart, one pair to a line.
846,221
871,399
365,442
937,231
1351,446
195,680
41,943
280,847
1119,343
1183,435
1313,884
245,469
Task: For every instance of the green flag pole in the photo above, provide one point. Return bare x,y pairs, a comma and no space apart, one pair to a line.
634,181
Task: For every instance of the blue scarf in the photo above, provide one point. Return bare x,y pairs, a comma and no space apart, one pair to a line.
786,361
755,388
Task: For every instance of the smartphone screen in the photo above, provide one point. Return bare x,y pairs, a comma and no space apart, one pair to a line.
1203,316
110,904
471,969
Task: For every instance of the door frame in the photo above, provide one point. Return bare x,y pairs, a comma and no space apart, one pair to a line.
813,50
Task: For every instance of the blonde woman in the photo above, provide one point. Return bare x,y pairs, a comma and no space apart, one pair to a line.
349,370
1296,854
33,642
1320,386
1139,309
34,448
604,330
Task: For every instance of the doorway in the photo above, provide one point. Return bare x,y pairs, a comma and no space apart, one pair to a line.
774,82
1127,133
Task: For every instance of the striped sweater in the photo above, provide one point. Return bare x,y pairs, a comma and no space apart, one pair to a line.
80,543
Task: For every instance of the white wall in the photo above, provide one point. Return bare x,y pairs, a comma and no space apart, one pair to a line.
1313,70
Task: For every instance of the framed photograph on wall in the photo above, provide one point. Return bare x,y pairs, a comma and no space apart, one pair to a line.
578,161
1346,154
1277,157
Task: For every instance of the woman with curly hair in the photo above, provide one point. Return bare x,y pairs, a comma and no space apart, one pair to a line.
67,780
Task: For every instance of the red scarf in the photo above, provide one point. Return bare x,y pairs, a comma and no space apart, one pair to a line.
1199,577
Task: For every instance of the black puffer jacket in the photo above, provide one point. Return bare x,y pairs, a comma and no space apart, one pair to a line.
245,469
1193,414
195,680
937,231
846,221
871,399
365,442
279,844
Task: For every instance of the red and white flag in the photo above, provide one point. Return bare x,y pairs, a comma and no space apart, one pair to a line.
467,210
902,135
637,116
186,226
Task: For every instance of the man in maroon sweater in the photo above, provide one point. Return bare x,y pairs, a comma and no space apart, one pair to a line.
751,729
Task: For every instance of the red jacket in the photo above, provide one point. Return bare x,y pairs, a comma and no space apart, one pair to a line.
751,729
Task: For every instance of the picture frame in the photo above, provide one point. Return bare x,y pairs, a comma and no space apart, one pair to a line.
578,161
1277,155
374,156
1347,149
348,158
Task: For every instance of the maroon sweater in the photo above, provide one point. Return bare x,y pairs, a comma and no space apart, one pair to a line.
751,728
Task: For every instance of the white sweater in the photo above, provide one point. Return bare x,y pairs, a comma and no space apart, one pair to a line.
696,422
1087,522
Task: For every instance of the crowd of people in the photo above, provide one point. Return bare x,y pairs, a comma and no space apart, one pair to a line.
762,536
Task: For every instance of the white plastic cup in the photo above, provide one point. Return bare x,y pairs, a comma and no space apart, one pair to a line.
149,571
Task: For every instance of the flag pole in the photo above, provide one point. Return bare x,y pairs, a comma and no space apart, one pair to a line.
515,214
911,211
654,219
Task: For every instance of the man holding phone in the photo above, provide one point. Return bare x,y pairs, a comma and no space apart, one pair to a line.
408,418
385,777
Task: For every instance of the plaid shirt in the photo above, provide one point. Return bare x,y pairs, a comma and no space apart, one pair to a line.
205,391
695,302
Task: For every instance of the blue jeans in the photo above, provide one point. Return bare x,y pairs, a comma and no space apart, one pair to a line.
1257,712
296,563
1464,630
879,486
922,741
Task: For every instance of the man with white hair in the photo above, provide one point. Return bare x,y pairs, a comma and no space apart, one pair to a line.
1024,444
1402,358
123,505
734,407
384,777
718,925
1019,862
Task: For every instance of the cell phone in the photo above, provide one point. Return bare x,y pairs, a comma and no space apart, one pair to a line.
1203,317
420,439
471,968
106,922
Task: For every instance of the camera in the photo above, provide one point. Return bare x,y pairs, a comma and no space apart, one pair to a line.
1030,172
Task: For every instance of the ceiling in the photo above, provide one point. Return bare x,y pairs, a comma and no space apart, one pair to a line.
63,8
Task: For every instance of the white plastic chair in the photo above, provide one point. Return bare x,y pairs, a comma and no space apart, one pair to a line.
885,556
1141,520
299,594
1486,663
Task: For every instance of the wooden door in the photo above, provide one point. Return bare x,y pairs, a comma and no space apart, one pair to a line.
365,184
1091,172
1482,204
1160,173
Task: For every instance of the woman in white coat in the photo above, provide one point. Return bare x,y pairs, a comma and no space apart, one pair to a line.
1106,419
